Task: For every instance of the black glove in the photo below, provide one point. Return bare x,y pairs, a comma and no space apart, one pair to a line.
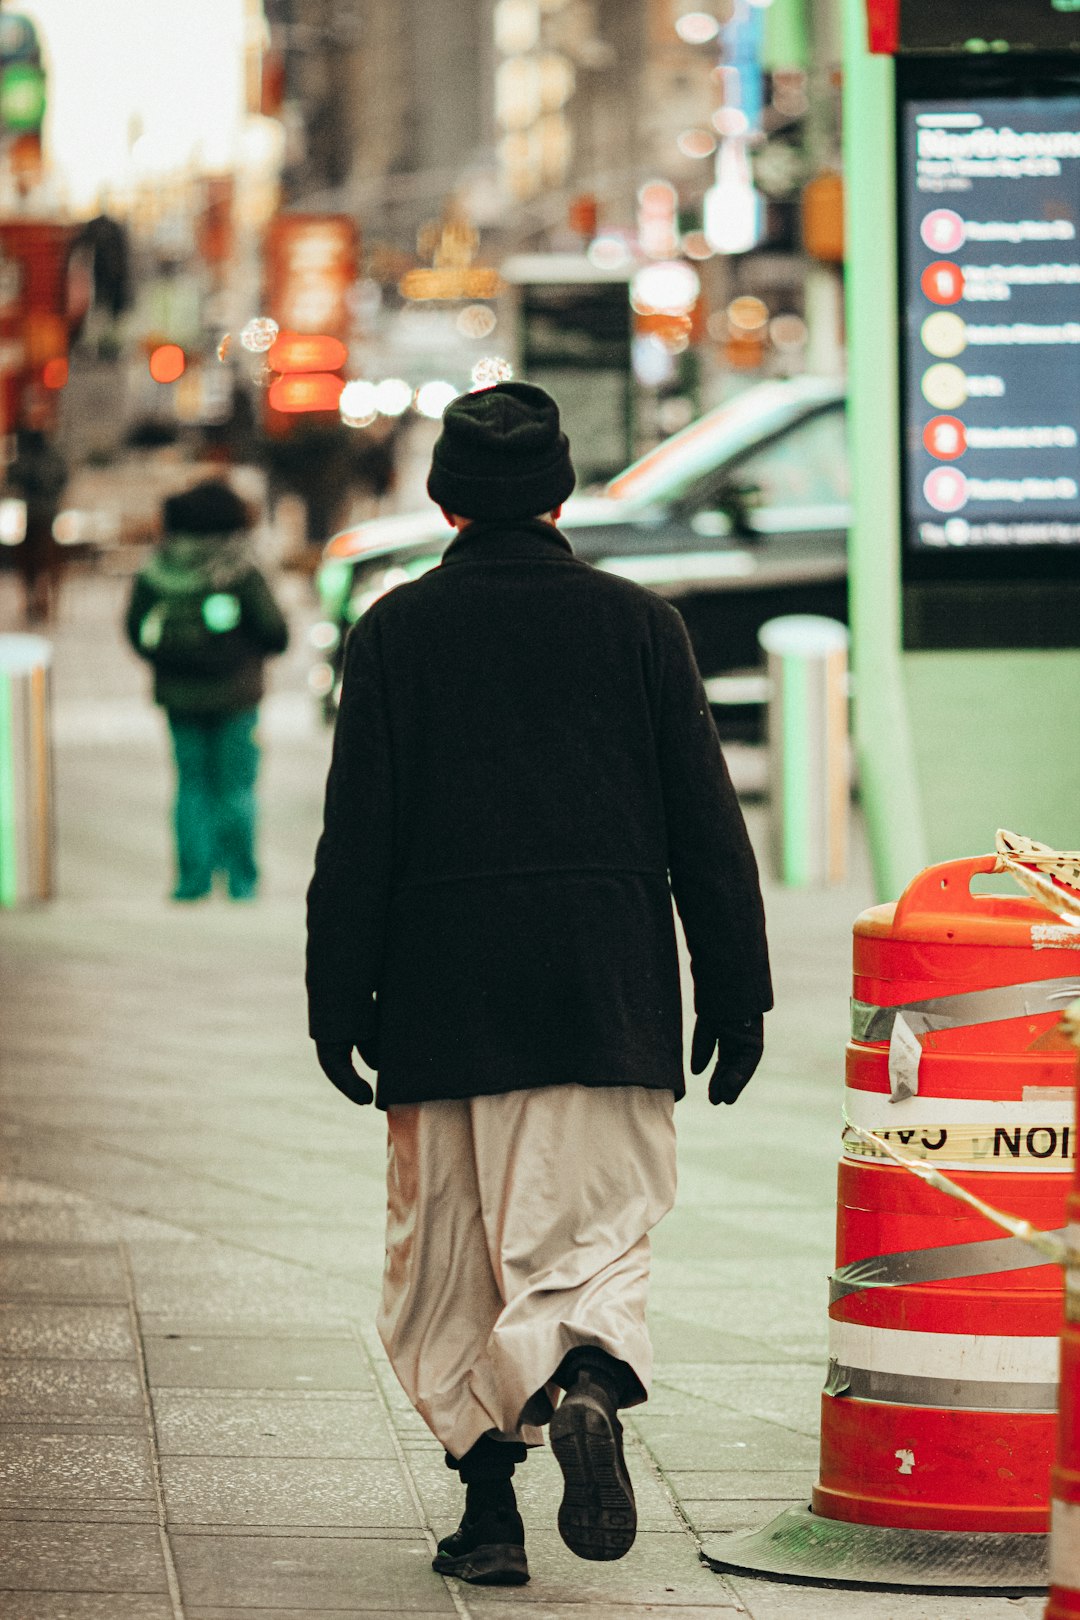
335,1061
739,1043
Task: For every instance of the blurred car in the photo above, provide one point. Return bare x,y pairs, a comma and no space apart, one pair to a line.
740,517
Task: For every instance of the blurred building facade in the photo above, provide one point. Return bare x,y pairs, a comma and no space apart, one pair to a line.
540,121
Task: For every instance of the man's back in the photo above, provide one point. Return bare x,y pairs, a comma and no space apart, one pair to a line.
521,691
530,752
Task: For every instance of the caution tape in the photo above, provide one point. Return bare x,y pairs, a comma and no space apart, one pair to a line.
1048,875
1046,1243
986,1147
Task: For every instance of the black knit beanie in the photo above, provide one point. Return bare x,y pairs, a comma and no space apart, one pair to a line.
209,508
501,454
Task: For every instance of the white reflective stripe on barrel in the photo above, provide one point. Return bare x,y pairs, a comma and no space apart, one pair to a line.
1065,1544
875,1111
986,1358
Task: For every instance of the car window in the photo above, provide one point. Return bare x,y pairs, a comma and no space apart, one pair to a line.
799,478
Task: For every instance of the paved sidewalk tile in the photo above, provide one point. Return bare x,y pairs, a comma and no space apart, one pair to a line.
284,1490
714,1439
246,1363
57,1272
776,1600
662,1568
241,1425
313,1614
355,1574
78,1332
35,1389
78,1556
43,1466
87,1606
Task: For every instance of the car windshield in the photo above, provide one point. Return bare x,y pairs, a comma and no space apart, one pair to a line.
686,456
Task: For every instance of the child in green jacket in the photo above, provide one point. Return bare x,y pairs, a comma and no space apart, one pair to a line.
204,617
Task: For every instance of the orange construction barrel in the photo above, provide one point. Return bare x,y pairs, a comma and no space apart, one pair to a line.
1064,1602
939,1405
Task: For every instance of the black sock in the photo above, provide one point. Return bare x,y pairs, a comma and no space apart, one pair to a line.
488,1460
616,1378
489,1496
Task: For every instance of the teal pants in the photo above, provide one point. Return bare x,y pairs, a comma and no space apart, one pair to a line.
217,764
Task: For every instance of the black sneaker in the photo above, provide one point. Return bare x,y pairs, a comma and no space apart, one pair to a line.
488,1550
598,1516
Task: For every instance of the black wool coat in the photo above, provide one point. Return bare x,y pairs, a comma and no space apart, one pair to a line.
524,770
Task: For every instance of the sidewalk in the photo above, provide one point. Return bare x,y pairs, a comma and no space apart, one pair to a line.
197,1419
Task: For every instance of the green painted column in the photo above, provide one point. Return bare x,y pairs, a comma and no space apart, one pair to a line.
950,745
883,745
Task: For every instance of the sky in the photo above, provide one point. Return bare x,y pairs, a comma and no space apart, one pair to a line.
170,69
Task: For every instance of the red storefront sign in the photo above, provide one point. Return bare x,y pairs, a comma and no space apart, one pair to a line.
311,262
33,307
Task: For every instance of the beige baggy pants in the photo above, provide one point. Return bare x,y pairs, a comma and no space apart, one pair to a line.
516,1229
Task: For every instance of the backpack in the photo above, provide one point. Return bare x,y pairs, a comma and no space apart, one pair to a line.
196,634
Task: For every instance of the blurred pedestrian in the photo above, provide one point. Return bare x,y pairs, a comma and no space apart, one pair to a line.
37,475
204,617
525,769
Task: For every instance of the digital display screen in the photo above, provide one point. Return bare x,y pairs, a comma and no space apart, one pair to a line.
952,25
990,292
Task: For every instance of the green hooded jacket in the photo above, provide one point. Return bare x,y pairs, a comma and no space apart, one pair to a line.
205,619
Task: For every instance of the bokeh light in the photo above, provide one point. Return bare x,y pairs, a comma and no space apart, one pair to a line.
393,396
695,245
730,121
696,143
305,391
476,321
307,351
167,362
259,334
609,253
747,313
358,405
670,288
788,331
433,397
490,370
696,27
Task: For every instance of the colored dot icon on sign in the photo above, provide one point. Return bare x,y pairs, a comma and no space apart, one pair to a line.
944,387
942,282
945,489
944,334
945,437
942,231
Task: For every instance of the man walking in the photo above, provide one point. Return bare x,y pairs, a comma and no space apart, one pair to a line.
524,771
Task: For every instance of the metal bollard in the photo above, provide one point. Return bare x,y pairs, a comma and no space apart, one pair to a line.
1064,1600
807,730
26,797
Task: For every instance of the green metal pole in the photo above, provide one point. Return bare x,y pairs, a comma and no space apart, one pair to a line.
886,762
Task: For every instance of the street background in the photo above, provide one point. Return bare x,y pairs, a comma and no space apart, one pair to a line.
197,1419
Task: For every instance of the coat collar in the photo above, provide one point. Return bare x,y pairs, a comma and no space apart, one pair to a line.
485,540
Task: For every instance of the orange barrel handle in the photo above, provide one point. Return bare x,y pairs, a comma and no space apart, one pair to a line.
942,888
